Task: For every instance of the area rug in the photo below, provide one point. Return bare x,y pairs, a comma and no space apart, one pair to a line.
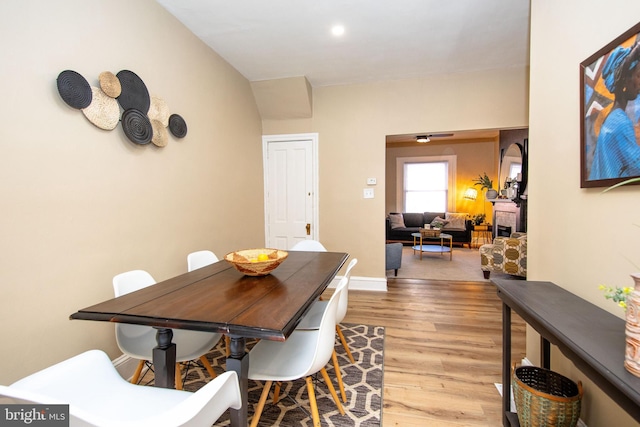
362,381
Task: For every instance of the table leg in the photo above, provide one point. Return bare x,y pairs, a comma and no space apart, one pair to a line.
238,361
545,353
164,359
506,363
420,246
451,249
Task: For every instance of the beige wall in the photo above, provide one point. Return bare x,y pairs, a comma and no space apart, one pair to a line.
352,123
80,204
565,244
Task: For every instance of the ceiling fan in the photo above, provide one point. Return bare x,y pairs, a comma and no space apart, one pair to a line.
423,139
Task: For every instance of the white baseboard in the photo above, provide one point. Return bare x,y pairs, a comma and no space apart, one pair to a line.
363,283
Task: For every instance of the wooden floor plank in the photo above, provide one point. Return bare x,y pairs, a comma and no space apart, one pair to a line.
443,350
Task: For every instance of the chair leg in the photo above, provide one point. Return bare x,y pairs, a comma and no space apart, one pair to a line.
136,374
260,407
178,377
332,390
227,344
344,343
312,401
207,366
276,392
486,274
336,367
396,272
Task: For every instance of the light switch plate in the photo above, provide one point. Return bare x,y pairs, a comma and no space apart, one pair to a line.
368,193
371,181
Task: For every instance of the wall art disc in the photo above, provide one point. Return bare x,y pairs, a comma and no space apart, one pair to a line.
110,84
177,126
136,126
134,93
104,111
160,134
158,110
74,89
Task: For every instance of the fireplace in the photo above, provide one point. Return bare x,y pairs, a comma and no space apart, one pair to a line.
506,218
503,230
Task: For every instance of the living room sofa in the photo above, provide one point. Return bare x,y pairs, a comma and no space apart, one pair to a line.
459,226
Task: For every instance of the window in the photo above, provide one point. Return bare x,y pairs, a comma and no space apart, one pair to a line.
425,187
426,184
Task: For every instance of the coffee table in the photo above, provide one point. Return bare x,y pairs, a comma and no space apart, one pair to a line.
417,237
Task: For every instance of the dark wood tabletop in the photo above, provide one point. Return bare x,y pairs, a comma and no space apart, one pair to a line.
218,298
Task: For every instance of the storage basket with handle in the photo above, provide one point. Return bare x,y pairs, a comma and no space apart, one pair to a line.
430,232
545,398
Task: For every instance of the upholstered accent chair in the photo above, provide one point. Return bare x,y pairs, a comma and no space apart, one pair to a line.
505,255
393,257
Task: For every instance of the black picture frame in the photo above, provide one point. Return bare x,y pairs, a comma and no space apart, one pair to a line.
596,102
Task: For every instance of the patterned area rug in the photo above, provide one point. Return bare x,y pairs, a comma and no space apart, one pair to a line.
362,381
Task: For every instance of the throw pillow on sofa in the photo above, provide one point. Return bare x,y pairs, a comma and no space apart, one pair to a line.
439,222
456,220
396,220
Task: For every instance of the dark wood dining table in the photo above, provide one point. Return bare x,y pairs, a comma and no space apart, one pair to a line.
218,298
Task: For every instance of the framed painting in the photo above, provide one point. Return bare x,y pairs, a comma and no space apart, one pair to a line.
610,112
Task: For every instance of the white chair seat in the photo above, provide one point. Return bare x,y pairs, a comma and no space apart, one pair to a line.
312,319
99,396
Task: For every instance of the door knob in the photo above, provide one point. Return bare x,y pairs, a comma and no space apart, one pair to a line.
308,229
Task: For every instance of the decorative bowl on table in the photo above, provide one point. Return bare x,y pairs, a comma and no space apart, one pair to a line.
256,262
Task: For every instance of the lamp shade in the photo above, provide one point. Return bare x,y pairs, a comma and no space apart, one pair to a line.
471,194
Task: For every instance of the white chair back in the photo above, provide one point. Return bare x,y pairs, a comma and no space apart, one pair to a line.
308,245
200,259
343,304
327,331
138,341
130,281
98,396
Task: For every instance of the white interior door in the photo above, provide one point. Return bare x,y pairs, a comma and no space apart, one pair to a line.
290,189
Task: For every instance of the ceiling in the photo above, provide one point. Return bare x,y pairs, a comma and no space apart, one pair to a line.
383,40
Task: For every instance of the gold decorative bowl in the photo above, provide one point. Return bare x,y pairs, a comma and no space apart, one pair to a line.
256,262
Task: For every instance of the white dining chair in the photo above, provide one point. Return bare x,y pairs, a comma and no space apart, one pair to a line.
98,396
312,319
200,259
309,245
303,354
138,341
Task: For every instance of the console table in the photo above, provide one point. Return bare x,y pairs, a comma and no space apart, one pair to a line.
589,336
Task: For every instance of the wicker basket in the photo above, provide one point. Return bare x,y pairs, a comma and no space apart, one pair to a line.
430,232
545,398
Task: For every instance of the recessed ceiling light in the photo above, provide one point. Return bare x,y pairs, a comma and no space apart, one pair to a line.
337,30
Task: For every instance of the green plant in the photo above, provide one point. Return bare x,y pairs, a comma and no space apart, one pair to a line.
479,218
617,294
483,181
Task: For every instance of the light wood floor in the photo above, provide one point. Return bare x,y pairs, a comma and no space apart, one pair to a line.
443,350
